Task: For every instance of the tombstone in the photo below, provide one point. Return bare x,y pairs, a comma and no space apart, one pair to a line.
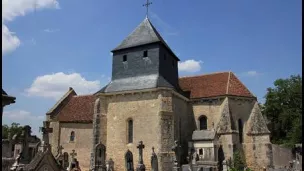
110,165
65,160
129,161
140,166
73,160
225,168
176,148
154,161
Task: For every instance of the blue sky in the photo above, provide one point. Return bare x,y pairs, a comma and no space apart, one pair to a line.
67,43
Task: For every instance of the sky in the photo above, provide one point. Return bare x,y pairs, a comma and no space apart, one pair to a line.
51,45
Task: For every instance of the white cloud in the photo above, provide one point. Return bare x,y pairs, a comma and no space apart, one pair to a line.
21,115
250,74
55,85
50,30
14,8
190,66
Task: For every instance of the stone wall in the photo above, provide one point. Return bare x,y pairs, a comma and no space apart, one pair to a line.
281,156
258,152
143,109
210,108
54,137
82,143
183,111
7,163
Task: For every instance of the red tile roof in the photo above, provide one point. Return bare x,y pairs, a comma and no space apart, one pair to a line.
215,84
78,109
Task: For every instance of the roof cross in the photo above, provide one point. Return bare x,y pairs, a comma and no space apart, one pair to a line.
147,6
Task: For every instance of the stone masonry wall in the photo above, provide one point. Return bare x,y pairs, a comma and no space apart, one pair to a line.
54,137
183,111
82,143
211,109
143,108
281,156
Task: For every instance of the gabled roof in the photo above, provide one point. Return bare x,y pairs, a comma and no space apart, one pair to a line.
215,84
62,101
78,109
144,33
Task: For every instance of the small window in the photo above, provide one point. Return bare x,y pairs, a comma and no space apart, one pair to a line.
130,131
145,53
200,151
72,136
203,122
124,58
165,57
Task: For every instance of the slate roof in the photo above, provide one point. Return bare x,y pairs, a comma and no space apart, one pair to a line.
215,84
144,33
78,109
203,135
136,83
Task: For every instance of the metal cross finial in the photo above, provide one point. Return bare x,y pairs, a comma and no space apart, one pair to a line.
147,6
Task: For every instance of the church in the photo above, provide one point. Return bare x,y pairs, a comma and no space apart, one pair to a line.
146,100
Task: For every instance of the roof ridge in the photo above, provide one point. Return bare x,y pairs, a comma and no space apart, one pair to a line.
243,84
228,83
213,73
83,95
61,100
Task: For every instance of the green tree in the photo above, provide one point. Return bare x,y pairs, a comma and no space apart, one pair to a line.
283,108
15,128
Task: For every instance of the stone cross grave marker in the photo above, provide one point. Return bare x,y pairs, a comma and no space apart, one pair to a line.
140,166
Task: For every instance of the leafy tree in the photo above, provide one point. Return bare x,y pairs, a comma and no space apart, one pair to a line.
15,128
283,108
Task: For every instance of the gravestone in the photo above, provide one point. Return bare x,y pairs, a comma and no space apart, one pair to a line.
129,161
154,162
176,149
110,165
140,166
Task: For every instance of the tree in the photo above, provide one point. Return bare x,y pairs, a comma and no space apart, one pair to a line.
283,108
15,128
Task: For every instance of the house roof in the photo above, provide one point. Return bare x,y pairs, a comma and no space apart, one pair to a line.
78,109
5,96
215,84
203,135
144,33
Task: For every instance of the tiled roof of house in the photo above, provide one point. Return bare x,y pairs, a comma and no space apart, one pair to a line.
215,84
78,109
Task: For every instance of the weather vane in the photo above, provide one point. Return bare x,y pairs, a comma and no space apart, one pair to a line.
147,6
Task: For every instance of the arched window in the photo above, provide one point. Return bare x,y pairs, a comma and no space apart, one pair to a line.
72,136
240,125
130,131
129,160
203,122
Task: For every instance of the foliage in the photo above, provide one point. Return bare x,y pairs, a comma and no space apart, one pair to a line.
238,162
15,128
283,109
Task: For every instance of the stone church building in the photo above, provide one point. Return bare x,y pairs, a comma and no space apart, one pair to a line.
147,101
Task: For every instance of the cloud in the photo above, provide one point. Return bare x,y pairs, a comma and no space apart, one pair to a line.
18,115
55,85
14,8
250,74
190,66
50,30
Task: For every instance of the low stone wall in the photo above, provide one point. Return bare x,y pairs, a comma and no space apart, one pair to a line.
7,163
281,156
